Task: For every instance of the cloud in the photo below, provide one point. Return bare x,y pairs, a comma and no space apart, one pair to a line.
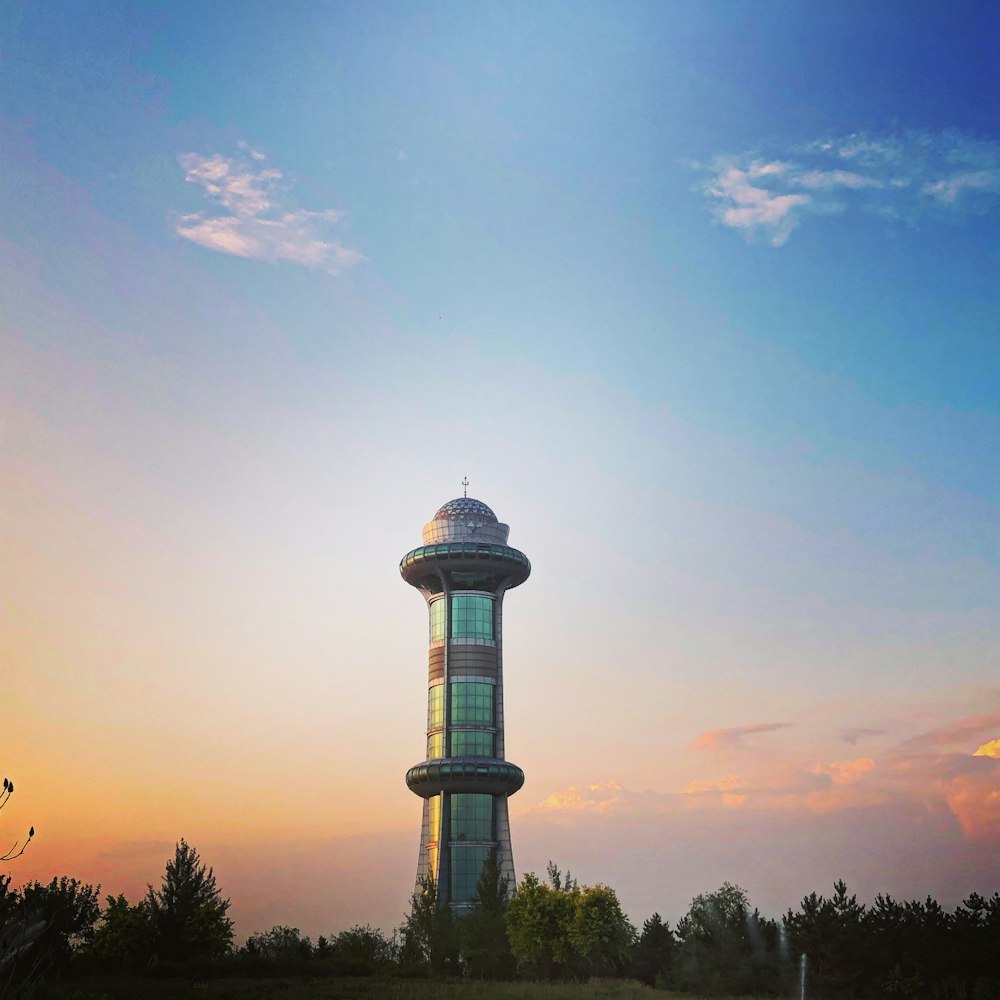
948,773
751,207
253,217
963,733
852,734
715,739
948,191
901,176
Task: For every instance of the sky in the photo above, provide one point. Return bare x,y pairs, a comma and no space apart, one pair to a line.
701,297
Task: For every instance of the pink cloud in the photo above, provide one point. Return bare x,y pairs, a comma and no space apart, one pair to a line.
715,739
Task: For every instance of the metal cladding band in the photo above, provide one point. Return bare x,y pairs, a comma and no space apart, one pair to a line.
464,774
456,552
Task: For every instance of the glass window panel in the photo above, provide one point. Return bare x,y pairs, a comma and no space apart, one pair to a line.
466,866
471,743
438,608
435,745
435,706
472,702
471,817
471,616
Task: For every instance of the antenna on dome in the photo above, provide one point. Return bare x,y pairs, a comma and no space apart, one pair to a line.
465,486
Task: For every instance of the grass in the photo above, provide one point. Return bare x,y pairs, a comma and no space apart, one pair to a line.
349,989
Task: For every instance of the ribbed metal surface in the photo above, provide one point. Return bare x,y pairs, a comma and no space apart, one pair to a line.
465,509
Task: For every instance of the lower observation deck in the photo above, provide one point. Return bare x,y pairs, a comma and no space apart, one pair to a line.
464,774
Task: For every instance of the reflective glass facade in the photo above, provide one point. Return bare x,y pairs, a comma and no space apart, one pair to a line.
435,706
472,702
467,862
433,830
471,743
438,626
435,744
471,616
471,816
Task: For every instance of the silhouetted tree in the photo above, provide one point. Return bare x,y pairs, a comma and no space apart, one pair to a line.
188,910
653,955
279,943
485,947
125,939
362,951
832,933
430,936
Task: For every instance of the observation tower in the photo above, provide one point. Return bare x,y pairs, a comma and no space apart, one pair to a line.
463,569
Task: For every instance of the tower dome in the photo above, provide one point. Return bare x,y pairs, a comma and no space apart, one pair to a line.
464,509
465,519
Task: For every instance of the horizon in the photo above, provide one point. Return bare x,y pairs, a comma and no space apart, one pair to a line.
700,299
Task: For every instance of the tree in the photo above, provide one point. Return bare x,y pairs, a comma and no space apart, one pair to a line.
361,951
430,937
280,943
565,930
485,947
724,947
68,909
125,939
188,910
13,852
599,932
652,958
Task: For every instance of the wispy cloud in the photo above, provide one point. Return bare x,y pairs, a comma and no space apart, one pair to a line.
715,739
905,175
254,216
852,734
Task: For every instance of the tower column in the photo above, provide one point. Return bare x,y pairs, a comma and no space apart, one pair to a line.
464,569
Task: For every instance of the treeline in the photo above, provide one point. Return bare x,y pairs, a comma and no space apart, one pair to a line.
551,928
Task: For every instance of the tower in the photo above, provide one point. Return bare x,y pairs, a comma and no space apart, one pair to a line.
463,569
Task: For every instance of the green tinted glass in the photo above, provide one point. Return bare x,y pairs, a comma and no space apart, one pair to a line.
472,702
471,743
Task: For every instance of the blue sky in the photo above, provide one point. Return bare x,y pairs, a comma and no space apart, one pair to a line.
702,297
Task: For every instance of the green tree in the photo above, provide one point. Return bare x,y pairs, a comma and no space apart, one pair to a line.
430,936
361,951
485,947
723,947
599,932
563,930
832,934
652,958
188,910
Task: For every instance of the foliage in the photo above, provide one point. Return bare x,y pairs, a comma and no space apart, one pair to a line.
188,910
279,942
125,939
723,948
653,955
561,930
430,935
485,947
362,951
908,950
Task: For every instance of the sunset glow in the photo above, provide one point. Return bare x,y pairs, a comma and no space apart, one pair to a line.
702,300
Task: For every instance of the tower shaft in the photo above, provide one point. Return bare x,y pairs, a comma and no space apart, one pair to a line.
464,570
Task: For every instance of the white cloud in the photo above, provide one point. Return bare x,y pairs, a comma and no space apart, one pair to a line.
899,177
257,220
752,207
948,190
